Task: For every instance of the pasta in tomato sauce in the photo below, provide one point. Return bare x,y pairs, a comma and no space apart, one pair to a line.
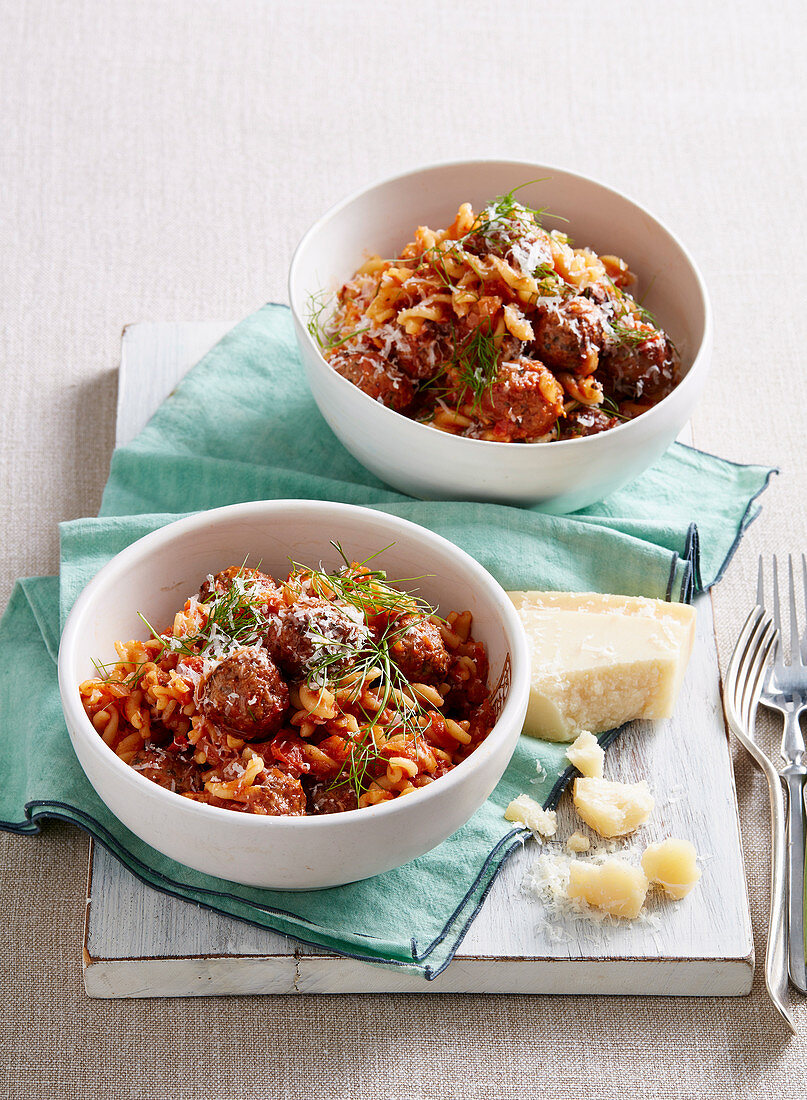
321,693
498,329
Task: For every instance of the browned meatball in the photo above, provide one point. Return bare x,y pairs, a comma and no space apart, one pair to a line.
311,631
277,795
570,335
246,693
649,369
587,421
511,349
420,357
377,377
326,799
523,245
261,582
173,772
530,251
418,650
525,400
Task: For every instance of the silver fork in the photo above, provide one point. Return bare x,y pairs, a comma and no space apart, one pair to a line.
785,690
741,690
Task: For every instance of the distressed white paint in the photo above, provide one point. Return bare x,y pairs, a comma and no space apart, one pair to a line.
140,943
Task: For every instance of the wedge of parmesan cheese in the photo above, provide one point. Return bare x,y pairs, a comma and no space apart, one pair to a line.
612,809
598,661
615,886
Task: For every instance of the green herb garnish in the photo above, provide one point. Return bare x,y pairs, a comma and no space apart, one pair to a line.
627,336
325,339
130,683
610,406
338,662
368,591
232,620
476,363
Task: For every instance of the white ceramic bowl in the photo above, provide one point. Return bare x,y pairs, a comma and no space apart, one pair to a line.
156,574
561,476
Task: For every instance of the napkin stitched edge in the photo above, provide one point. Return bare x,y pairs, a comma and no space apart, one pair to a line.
155,880
749,515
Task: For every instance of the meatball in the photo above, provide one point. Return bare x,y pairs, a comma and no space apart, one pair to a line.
648,369
523,245
261,582
277,795
587,421
246,693
530,251
525,400
418,650
313,630
377,377
420,356
570,335
323,798
173,772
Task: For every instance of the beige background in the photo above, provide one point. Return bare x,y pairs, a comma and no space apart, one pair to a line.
159,161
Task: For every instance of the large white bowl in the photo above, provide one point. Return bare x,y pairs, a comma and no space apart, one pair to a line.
155,575
561,476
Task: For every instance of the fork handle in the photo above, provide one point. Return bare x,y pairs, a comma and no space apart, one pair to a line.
794,778
792,742
776,950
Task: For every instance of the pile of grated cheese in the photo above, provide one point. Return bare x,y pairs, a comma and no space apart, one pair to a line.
615,880
548,881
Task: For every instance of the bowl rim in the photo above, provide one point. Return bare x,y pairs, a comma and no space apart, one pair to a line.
81,727
700,360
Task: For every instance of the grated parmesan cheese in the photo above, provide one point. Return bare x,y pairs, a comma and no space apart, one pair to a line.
547,880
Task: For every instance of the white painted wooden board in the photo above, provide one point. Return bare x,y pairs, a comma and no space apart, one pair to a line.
140,943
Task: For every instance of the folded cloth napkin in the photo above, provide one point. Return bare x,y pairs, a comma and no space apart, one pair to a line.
243,426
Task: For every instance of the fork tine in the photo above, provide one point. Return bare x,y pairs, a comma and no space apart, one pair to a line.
741,683
804,589
732,687
776,619
754,669
767,642
795,641
760,585
761,603
741,648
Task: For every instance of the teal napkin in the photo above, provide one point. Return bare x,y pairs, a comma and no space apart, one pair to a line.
242,426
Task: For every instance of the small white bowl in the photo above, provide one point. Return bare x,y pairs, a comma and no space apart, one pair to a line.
559,477
155,575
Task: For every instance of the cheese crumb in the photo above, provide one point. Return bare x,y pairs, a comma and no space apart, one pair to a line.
614,886
612,809
530,813
587,755
577,843
672,864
